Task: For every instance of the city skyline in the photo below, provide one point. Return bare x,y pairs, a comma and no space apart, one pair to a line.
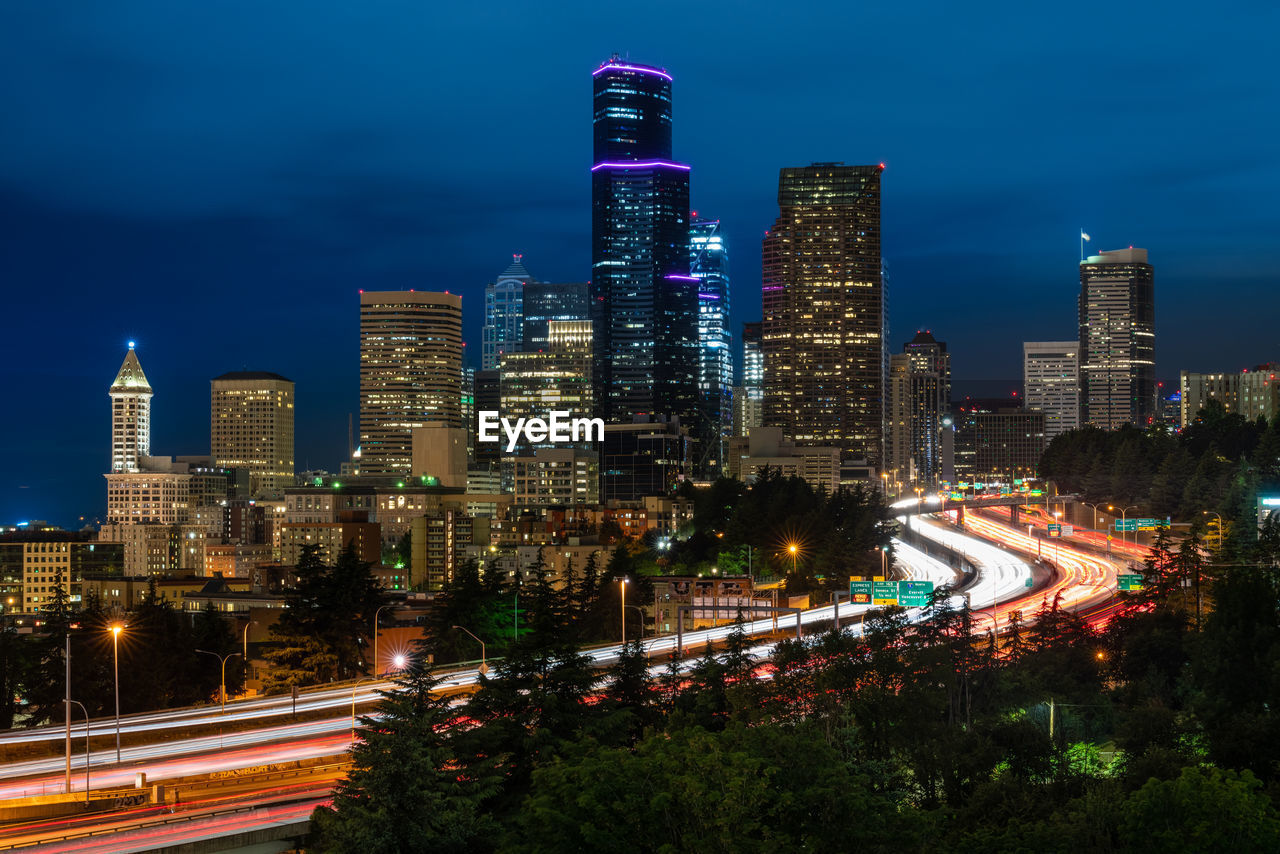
210,244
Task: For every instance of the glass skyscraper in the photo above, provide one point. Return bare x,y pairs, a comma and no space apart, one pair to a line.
503,330
709,264
548,301
644,302
1117,339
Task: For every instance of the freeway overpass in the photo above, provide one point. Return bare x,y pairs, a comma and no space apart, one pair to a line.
937,504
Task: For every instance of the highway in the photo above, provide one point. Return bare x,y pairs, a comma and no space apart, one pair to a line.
1085,581
280,740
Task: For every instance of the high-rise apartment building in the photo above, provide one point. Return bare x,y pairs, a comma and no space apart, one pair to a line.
996,442
748,398
1254,393
503,330
643,300
709,264
1117,339
548,301
1051,383
824,310
919,399
251,427
410,373
130,415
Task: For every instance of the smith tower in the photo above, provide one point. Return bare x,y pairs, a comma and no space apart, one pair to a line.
130,416
644,302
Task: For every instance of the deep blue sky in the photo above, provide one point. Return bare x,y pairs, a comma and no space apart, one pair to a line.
218,180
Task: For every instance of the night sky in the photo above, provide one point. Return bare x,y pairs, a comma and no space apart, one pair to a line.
218,180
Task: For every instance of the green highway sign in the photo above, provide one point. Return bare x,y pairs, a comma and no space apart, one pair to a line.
1055,530
885,593
1036,492
914,594
1029,582
1151,524
1129,582
1126,524
860,592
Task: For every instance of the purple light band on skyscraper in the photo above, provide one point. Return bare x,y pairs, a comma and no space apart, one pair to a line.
641,164
773,288
708,296
679,278
640,69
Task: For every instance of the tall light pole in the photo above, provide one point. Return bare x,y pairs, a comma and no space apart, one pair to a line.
375,637
1095,513
353,707
1123,536
639,611
484,665
622,586
86,748
116,629
794,549
246,650
67,707
222,691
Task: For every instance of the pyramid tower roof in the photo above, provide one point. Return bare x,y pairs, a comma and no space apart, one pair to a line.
130,377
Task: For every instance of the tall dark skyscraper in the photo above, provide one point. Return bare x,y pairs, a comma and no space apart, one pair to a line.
1117,339
548,301
824,310
644,302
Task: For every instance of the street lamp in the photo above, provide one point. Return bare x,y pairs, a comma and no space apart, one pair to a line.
1123,537
246,650
484,666
375,638
794,549
116,629
222,691
353,707
622,586
86,747
641,612
1095,512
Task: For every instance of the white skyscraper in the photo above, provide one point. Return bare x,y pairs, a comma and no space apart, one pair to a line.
130,416
1051,383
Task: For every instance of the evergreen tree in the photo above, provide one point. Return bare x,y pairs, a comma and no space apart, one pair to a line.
408,790
326,624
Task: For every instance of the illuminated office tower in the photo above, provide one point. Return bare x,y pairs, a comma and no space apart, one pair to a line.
503,330
130,415
1117,339
557,377
410,373
251,427
644,302
824,316
1051,383
919,398
748,398
548,301
709,264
